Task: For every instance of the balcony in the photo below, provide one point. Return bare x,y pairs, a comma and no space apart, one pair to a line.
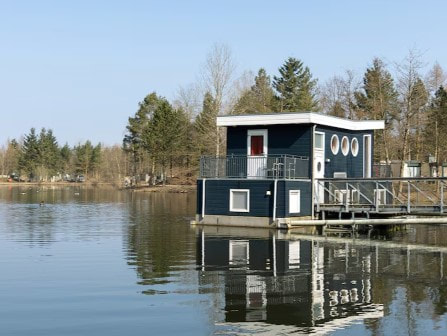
255,167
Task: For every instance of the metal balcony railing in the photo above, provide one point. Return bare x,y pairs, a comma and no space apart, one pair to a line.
261,167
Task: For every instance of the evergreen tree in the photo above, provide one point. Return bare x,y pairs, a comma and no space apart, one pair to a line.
259,99
87,158
378,101
437,126
205,125
65,155
295,87
133,140
29,156
49,154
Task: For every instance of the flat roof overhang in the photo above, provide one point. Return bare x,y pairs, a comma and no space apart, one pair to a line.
299,118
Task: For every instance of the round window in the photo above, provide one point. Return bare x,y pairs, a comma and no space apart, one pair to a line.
335,144
319,166
345,145
354,146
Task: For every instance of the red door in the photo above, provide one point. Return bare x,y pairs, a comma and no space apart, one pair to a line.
257,145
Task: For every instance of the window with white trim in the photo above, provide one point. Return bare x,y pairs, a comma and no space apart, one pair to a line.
354,147
335,144
240,200
345,145
294,201
319,140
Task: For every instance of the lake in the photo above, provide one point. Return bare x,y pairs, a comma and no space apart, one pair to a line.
104,262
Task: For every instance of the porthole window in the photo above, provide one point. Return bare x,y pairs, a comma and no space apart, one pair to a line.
345,145
354,146
335,144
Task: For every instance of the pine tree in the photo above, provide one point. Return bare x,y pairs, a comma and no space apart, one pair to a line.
65,155
164,136
49,154
205,125
259,99
295,87
87,158
378,101
133,140
29,156
437,126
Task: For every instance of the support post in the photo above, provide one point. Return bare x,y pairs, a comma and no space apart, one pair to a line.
275,189
409,197
441,207
203,198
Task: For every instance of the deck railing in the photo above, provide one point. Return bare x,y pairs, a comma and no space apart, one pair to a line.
394,195
261,167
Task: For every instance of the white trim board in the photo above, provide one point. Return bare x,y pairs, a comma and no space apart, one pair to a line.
300,118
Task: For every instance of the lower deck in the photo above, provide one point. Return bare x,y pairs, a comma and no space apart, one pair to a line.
283,202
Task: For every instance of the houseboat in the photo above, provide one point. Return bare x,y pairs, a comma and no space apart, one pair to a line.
273,163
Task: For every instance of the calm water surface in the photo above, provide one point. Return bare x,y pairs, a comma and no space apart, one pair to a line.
103,262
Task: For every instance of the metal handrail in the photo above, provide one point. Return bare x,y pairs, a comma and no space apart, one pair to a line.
281,166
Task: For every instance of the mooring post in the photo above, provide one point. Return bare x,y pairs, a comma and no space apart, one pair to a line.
377,197
347,196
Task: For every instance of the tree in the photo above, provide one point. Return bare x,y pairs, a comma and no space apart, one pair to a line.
165,134
437,126
87,158
29,156
205,126
337,96
217,74
9,157
295,87
133,140
49,154
435,78
260,98
378,100
412,102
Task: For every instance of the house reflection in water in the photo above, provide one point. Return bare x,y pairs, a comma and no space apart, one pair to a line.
287,282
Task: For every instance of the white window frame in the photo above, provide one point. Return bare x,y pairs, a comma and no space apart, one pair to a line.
257,132
352,147
345,153
322,141
292,211
248,200
335,152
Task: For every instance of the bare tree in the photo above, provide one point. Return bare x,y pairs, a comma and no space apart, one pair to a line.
413,100
337,96
217,75
188,98
435,78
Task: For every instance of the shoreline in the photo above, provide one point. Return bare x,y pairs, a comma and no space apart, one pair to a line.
169,188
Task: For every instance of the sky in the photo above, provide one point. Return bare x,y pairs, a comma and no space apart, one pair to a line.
81,67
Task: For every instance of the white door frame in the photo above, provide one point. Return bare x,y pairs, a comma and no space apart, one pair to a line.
257,165
320,153
367,152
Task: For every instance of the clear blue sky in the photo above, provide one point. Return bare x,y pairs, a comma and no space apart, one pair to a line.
81,67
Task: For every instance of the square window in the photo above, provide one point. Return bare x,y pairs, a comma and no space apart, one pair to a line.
294,201
239,200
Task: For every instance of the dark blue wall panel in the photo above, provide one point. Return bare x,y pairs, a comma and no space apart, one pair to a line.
217,200
282,139
353,166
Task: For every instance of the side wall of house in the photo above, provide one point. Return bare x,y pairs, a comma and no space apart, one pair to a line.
350,164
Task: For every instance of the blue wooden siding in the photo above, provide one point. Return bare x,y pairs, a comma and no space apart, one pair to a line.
353,166
305,194
282,139
217,200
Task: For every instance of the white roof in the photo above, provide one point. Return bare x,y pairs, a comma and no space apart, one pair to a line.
299,118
